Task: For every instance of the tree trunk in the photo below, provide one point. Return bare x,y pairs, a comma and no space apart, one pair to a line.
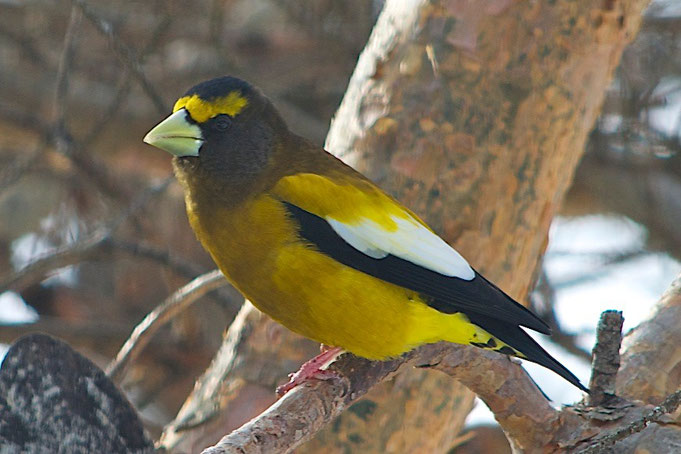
474,114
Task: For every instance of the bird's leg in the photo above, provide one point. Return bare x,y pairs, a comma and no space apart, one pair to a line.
316,368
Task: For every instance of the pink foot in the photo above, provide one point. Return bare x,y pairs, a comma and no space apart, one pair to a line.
313,369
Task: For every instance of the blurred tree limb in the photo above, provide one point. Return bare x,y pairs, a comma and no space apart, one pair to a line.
82,249
169,309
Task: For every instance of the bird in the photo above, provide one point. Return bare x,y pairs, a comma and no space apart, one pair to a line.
320,248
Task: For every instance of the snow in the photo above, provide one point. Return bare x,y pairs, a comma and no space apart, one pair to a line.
13,309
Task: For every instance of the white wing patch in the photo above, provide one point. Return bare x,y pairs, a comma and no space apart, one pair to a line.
411,242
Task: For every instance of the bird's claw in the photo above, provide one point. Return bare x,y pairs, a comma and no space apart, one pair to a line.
313,369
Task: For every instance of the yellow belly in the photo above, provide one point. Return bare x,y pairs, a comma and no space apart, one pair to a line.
316,296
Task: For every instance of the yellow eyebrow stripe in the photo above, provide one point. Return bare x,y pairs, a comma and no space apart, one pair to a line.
202,110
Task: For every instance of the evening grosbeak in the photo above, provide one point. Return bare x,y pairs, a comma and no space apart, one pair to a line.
321,249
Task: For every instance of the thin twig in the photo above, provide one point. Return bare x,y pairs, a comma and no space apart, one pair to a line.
92,169
140,201
165,257
605,444
166,311
63,72
123,86
18,167
95,172
226,297
124,53
606,260
546,307
28,48
100,124
59,132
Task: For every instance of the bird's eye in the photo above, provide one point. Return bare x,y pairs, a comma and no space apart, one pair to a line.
223,122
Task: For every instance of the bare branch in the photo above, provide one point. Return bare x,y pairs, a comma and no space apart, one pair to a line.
166,311
123,86
82,250
164,257
607,260
301,413
507,389
63,256
140,201
18,167
650,356
64,70
28,47
125,54
527,418
59,134
122,90
95,172
606,358
657,414
546,308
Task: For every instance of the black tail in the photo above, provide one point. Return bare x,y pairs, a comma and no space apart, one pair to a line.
523,343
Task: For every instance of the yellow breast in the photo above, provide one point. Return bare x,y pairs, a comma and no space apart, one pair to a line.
257,248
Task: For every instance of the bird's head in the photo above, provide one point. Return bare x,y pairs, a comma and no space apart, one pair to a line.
222,128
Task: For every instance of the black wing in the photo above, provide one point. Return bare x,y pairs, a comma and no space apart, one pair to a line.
444,293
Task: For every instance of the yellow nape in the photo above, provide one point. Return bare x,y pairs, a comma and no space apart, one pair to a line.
203,110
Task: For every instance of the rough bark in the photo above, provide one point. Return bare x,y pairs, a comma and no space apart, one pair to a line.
52,399
651,362
607,423
474,114
482,112
606,358
296,417
256,355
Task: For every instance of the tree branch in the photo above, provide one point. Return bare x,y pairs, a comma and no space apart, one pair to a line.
123,86
162,314
605,444
19,166
525,415
164,257
296,417
650,358
606,358
63,72
124,53
61,257
546,308
16,169
82,250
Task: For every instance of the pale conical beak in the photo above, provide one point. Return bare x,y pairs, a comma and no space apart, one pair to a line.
176,135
